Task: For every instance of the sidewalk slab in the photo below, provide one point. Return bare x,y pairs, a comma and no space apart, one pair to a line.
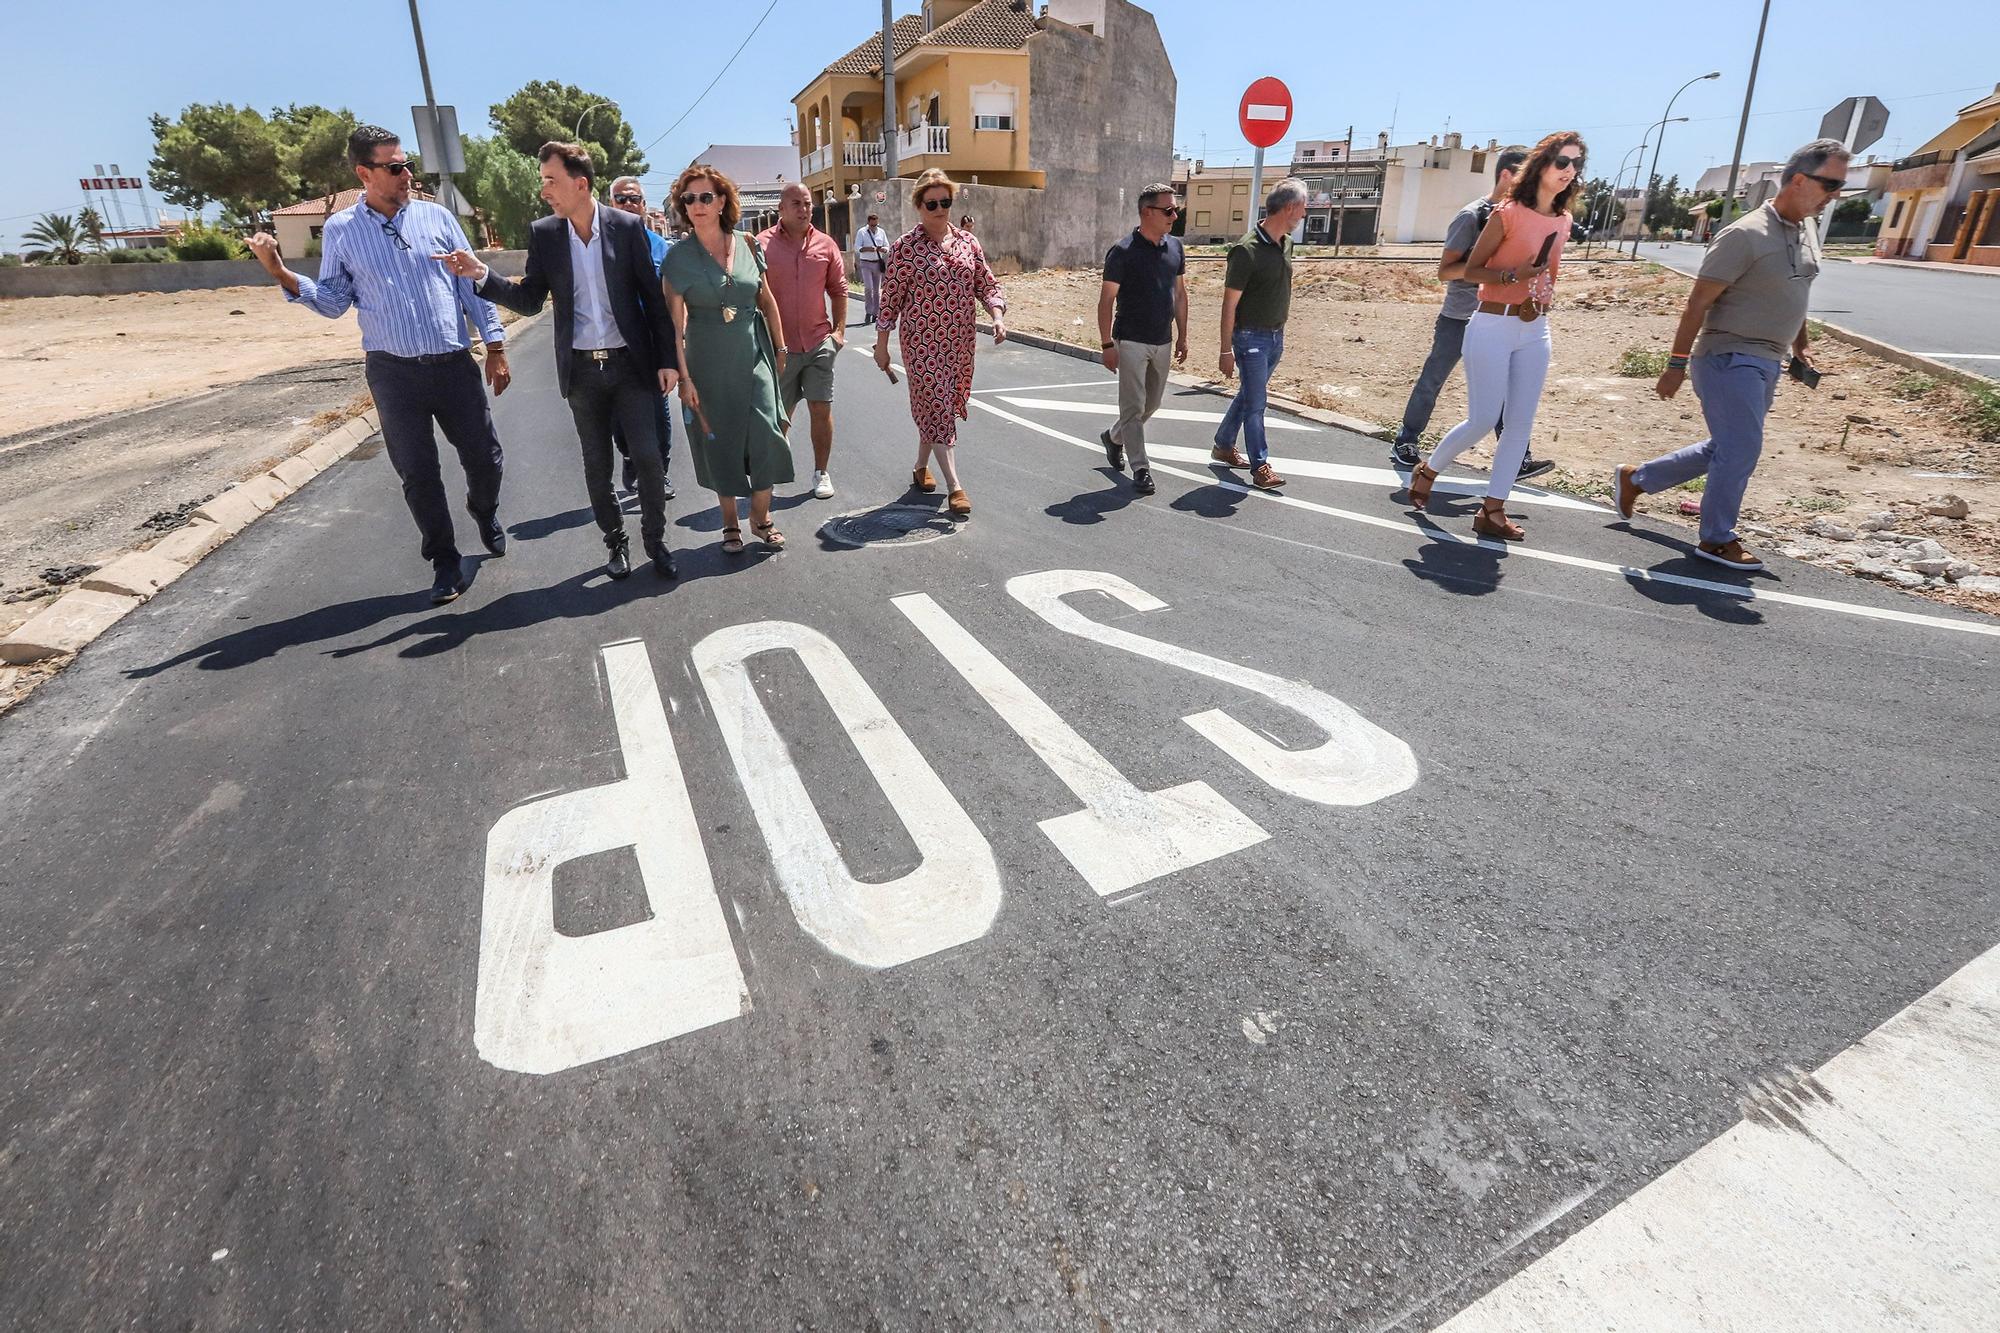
65,626
189,544
140,574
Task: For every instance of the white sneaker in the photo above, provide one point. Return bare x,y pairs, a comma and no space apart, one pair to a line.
822,486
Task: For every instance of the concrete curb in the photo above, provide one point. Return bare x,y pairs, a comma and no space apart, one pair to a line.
69,623
1910,360
1186,381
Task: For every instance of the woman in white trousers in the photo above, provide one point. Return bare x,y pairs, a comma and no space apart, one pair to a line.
1507,348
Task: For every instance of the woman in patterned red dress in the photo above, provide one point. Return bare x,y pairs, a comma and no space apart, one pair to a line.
936,276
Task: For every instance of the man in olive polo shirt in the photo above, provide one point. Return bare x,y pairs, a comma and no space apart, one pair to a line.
1748,307
1256,301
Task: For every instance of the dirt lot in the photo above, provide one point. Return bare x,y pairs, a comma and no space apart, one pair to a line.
118,413
1847,460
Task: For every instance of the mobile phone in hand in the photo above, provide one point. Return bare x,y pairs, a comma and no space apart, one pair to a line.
1548,244
1803,373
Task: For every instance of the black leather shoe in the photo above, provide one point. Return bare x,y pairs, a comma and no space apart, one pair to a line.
491,533
619,565
446,587
1114,452
1142,481
663,560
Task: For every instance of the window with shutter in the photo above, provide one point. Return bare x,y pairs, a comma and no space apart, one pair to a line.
993,108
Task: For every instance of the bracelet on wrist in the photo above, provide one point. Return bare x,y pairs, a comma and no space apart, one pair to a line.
1675,361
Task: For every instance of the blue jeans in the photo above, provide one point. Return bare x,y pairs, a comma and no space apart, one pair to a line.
1447,345
1257,354
1736,392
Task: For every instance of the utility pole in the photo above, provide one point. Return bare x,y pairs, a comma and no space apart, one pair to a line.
1743,125
1340,200
888,91
445,196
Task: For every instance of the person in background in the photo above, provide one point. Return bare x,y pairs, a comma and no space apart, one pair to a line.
965,224
732,355
379,257
1142,301
1461,300
871,254
628,196
1515,261
1256,302
805,271
937,273
614,346
1747,310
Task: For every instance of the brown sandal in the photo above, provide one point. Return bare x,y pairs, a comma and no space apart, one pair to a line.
732,540
1492,521
921,480
960,504
767,532
1421,478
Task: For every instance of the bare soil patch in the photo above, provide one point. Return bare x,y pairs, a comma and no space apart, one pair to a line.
1849,454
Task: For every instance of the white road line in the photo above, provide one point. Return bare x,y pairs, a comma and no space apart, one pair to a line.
1387,478
1865,1195
1025,388
1164,414
1531,553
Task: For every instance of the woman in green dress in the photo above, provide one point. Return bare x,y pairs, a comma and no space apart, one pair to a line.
726,321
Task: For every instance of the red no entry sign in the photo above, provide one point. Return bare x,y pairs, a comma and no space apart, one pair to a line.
1265,112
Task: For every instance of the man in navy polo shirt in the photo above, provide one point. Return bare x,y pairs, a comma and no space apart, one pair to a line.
1143,298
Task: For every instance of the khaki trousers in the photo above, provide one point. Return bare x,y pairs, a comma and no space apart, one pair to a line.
1142,382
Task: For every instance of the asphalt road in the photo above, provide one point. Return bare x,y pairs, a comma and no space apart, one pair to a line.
1283,919
1949,317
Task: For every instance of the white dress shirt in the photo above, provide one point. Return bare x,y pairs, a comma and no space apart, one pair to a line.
593,328
872,238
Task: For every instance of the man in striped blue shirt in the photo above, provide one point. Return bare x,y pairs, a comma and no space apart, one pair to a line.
377,257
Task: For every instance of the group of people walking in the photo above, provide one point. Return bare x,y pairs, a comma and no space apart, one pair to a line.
744,329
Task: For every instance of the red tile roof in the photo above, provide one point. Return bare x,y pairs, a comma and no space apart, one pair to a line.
867,57
993,24
328,205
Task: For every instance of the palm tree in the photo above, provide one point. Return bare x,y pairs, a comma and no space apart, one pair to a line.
54,239
92,226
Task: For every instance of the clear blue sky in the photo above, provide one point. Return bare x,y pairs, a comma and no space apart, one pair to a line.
91,75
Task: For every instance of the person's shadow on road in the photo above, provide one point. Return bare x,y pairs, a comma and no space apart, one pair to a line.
1470,569
315,626
1715,605
1087,507
1216,501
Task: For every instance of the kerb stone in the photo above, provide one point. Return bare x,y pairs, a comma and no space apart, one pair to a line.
140,574
65,626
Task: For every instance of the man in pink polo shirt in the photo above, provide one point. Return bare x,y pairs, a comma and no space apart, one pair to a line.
805,269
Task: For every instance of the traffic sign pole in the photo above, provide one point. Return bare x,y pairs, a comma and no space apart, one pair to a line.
1256,188
1264,114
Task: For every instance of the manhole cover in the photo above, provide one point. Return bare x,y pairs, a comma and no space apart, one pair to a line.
891,525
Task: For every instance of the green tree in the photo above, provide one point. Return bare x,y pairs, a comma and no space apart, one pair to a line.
1601,208
92,226
1666,208
219,153
54,239
313,148
503,186
543,111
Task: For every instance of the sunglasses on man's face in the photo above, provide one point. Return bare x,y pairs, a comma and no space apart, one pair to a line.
933,205
1170,210
1827,183
690,199
1564,162
401,168
628,198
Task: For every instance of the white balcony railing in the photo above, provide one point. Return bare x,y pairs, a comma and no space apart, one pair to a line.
865,154
923,140
819,159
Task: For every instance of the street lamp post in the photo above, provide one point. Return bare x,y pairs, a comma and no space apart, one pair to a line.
1616,182
1646,203
431,109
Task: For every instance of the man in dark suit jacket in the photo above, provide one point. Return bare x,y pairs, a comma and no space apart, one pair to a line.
614,339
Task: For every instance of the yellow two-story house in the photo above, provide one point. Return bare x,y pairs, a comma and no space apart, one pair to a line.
1075,99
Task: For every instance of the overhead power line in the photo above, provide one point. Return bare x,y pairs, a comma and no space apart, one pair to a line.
718,75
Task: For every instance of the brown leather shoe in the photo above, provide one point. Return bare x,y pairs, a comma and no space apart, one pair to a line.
959,504
1625,492
921,480
1492,521
1266,478
1230,454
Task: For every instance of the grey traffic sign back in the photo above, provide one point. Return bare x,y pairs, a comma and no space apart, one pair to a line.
1874,119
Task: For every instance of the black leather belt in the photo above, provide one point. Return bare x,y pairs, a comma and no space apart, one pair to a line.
428,359
598,353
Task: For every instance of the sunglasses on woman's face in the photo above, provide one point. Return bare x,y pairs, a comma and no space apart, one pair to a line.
1564,162
933,205
690,199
